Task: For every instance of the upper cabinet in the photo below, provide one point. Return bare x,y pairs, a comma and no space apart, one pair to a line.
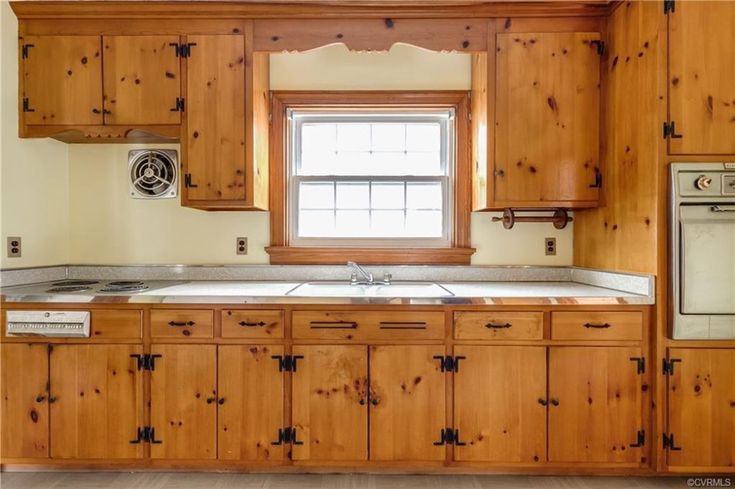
542,147
701,73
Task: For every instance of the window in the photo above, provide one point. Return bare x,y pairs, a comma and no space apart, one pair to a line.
371,177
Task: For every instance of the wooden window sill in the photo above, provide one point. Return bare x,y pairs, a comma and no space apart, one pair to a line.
286,255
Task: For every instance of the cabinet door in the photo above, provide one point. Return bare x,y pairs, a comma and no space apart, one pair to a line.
214,144
184,401
499,397
594,404
701,74
407,403
98,404
62,80
141,80
250,410
25,420
330,403
547,118
701,395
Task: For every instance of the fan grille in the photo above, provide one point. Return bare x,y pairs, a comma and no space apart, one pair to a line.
153,173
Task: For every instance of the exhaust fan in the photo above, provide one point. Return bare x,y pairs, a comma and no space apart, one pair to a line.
153,173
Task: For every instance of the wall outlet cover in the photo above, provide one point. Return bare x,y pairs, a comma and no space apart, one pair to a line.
241,246
550,246
14,247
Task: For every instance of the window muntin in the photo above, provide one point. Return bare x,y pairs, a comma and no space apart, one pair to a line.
371,177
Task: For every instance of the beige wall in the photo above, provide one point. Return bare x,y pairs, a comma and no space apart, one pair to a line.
34,174
106,226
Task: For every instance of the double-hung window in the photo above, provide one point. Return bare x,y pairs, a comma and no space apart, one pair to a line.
371,177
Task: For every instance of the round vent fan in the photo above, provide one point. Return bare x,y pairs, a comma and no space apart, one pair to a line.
153,173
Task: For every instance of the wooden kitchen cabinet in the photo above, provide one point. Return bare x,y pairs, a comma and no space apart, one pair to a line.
407,402
24,395
250,404
97,407
142,82
701,408
329,402
700,79
184,402
61,80
594,404
499,403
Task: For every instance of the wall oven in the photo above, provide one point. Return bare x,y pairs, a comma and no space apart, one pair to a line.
702,250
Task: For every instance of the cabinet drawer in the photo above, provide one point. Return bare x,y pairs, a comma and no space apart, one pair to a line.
591,325
252,324
176,323
366,325
499,326
117,324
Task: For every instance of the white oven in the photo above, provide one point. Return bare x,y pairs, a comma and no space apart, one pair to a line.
702,243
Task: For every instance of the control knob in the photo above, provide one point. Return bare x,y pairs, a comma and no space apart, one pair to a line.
703,182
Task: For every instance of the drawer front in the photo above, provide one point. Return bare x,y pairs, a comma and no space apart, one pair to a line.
596,325
367,325
499,326
116,324
252,324
182,323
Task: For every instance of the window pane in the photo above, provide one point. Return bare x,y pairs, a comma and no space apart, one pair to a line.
389,137
387,195
388,224
424,196
424,224
353,195
353,137
423,137
353,224
317,195
316,224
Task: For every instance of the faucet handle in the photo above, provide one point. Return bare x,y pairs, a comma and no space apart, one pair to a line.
387,277
353,278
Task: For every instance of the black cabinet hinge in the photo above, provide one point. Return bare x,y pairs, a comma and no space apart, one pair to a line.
25,49
287,363
668,365
640,439
182,50
600,46
598,179
146,434
669,6
640,364
449,436
146,361
668,442
287,435
27,105
178,106
449,363
187,181
670,131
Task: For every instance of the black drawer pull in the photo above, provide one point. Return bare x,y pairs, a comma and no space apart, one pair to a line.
498,325
543,401
333,325
403,325
555,402
251,325
597,325
181,323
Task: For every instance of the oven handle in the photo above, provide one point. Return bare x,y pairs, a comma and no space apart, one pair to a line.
719,208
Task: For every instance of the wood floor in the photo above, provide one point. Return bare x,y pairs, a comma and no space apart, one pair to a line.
88,480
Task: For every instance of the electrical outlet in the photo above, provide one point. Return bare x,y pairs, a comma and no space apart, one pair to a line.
550,245
241,246
14,247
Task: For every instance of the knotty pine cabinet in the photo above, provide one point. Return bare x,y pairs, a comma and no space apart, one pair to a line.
700,80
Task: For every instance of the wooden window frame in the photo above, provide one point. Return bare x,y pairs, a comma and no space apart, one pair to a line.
280,251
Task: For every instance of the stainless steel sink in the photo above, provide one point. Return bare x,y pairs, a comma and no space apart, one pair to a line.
345,289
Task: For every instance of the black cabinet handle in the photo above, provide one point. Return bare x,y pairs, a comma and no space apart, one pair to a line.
555,402
40,398
51,400
498,325
597,325
252,325
181,323
210,400
362,402
543,401
221,401
374,402
333,325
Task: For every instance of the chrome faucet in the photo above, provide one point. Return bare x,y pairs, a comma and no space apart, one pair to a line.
358,270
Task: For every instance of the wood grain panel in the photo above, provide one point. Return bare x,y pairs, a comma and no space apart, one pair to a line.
701,396
62,80
595,411
141,79
214,142
116,323
547,117
480,130
498,325
595,326
407,403
499,397
329,403
182,323
184,402
250,402
701,74
98,405
249,323
25,413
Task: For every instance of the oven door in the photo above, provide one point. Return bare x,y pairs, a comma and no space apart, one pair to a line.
707,258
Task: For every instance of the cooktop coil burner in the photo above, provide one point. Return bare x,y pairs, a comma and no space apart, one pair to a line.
70,288
74,282
124,286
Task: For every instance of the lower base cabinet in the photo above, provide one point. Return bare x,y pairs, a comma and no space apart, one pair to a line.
701,415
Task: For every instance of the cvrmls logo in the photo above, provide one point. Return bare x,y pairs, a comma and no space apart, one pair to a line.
709,482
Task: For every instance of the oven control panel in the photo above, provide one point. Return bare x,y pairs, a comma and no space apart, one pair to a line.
706,183
60,324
